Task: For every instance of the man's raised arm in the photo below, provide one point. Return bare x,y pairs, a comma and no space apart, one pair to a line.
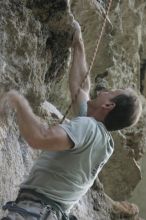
34,131
78,71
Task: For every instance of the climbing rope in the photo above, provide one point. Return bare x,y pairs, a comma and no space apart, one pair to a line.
91,63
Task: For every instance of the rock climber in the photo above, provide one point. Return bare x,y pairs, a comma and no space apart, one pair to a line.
73,153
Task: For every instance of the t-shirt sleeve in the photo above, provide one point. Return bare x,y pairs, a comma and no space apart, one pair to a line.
77,130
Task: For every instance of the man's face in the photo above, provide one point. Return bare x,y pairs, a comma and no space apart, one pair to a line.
104,97
103,104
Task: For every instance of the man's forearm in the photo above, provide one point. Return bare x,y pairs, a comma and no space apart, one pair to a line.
79,59
79,67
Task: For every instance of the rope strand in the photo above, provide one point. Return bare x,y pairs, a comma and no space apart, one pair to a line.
91,63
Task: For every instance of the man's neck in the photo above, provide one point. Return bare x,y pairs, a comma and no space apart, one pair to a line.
97,115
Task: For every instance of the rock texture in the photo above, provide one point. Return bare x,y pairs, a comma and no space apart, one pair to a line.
34,58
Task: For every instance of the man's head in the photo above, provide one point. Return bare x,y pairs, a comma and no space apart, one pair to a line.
117,109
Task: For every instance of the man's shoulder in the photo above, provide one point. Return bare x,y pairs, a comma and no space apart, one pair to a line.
90,121
87,123
80,125
85,120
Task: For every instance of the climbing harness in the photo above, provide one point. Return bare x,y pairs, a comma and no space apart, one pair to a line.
44,214
48,206
91,63
13,207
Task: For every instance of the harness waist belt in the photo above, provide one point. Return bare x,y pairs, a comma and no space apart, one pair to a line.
32,195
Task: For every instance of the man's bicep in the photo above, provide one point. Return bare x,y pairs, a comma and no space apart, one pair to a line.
60,139
55,139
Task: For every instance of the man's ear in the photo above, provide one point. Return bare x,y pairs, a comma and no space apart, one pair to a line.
109,106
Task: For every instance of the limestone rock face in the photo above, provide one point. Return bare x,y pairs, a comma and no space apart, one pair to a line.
35,39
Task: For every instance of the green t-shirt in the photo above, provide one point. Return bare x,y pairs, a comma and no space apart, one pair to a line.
66,176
